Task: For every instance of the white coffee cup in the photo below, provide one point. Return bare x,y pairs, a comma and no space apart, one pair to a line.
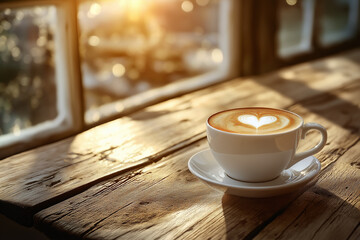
259,158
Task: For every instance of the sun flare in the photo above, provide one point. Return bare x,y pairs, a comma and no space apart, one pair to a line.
134,8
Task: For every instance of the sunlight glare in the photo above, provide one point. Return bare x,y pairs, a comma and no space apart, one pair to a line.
15,52
187,6
41,41
291,2
94,41
95,116
134,8
7,11
288,75
16,128
118,70
217,55
95,9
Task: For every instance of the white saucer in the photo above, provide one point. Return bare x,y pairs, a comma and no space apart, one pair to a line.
204,166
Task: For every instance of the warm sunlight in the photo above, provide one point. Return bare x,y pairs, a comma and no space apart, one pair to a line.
129,47
134,8
94,10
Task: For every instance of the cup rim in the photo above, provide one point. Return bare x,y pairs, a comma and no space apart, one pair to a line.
256,135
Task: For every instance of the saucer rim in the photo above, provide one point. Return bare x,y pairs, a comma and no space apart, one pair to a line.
302,180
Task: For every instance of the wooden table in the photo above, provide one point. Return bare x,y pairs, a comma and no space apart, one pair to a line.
129,178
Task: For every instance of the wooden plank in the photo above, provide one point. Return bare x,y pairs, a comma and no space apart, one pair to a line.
164,200
40,177
168,203
329,210
136,200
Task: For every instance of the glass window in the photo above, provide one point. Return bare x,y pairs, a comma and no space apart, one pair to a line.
132,48
296,20
338,20
34,92
133,53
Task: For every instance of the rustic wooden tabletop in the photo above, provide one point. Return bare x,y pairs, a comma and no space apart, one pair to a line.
129,178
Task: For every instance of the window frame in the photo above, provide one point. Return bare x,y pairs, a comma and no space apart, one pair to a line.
350,31
260,51
228,27
72,91
68,87
305,46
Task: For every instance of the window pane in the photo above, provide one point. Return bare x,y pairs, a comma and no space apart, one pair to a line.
132,46
338,20
38,97
27,85
295,26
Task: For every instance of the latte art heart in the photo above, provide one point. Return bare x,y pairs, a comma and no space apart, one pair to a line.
256,122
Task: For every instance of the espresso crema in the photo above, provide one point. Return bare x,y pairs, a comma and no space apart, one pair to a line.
255,121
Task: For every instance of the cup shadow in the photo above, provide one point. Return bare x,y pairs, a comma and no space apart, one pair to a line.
282,216
244,217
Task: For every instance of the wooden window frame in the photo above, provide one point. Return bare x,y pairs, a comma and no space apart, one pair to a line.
350,31
259,46
68,87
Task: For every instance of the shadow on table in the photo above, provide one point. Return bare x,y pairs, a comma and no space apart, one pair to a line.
317,211
14,231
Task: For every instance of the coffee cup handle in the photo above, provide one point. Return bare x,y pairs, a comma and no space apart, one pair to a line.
305,128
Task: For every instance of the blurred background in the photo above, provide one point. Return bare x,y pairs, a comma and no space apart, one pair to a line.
126,47
131,46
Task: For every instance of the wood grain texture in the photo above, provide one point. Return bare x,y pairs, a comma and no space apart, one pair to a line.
39,178
329,210
164,200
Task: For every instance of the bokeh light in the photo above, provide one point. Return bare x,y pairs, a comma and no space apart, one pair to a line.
94,10
187,6
27,84
118,70
126,46
217,55
94,41
291,2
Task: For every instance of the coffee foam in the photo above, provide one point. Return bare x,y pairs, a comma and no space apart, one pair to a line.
256,121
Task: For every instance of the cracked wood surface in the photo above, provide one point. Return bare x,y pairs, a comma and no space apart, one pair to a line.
164,200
